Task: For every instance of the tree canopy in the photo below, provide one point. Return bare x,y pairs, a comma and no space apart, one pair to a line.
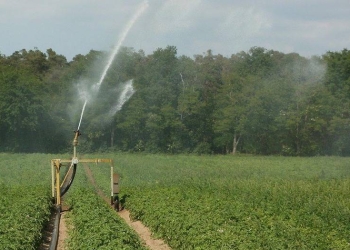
258,102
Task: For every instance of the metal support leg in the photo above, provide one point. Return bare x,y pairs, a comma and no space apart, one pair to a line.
58,186
52,179
112,184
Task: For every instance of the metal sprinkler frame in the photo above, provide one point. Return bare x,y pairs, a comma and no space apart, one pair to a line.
60,188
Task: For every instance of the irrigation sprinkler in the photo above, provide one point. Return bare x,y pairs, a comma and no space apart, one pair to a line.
59,188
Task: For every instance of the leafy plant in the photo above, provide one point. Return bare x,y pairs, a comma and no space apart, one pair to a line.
226,202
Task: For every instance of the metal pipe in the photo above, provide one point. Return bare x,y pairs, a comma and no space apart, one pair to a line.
112,184
53,178
75,143
58,189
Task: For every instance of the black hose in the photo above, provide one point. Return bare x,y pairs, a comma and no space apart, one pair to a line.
55,232
68,183
64,188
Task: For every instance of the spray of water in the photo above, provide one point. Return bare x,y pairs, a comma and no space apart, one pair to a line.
128,90
126,93
82,113
122,37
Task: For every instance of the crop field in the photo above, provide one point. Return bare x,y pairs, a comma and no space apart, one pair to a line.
25,202
191,202
96,225
225,202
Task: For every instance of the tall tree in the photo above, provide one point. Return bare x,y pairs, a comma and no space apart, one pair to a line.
21,110
231,112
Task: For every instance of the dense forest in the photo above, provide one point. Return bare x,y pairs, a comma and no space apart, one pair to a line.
255,102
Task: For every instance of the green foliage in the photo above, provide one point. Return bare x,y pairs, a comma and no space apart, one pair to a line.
24,211
338,72
257,102
25,208
94,224
246,215
242,202
25,200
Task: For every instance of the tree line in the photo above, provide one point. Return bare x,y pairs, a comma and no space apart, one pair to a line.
256,102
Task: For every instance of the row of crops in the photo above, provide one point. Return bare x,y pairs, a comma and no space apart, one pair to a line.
224,202
95,224
24,201
25,208
191,202
23,214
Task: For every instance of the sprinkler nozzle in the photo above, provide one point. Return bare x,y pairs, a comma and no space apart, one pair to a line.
75,141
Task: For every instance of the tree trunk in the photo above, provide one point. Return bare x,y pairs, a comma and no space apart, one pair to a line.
235,143
112,137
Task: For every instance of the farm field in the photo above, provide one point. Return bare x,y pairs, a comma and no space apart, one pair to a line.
25,202
191,202
96,225
242,202
25,199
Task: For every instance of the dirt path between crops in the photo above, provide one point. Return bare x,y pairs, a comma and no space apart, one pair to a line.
63,233
48,230
47,233
143,231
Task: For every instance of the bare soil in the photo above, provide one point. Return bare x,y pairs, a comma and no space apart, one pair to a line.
47,233
63,232
143,232
48,229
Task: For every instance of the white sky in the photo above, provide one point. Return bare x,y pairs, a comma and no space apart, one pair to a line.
71,27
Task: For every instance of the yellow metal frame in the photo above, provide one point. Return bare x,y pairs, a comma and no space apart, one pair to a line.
55,172
56,167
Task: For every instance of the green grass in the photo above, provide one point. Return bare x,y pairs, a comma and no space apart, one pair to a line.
225,202
25,169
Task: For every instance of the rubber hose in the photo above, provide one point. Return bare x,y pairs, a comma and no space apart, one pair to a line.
65,188
55,232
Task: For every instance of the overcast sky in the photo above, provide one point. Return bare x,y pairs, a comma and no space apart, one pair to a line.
71,27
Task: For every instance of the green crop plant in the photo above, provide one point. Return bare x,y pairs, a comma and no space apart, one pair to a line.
24,201
95,223
225,202
191,202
